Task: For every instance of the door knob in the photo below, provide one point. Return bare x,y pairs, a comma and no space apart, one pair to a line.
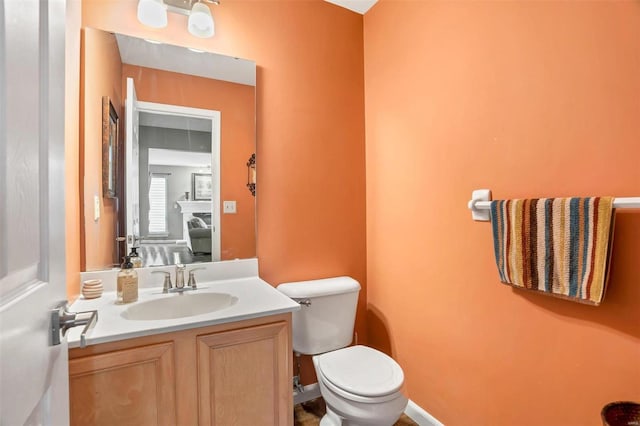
62,320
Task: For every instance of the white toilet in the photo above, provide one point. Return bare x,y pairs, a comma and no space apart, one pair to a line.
360,385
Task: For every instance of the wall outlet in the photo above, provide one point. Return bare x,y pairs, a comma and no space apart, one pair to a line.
229,207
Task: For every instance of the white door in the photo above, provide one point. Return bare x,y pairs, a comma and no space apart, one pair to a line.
132,171
33,374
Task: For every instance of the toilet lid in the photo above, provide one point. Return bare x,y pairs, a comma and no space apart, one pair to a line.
361,371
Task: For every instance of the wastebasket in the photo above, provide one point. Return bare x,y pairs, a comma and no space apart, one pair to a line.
621,413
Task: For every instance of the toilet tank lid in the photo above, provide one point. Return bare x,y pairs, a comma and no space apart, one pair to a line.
319,288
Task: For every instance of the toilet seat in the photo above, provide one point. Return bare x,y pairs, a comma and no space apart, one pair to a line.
359,398
360,373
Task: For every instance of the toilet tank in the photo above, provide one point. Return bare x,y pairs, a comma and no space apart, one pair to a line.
326,324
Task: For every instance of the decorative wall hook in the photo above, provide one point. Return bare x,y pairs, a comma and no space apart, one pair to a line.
251,174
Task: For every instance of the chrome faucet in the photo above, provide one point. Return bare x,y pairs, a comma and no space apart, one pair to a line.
192,277
180,276
167,287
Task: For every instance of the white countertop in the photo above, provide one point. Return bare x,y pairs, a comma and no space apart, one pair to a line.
256,298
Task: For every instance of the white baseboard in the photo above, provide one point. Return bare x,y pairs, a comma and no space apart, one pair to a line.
311,391
420,416
413,410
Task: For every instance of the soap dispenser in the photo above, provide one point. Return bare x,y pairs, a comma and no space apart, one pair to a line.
127,282
136,260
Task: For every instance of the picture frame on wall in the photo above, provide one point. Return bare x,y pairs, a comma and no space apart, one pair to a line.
201,186
109,148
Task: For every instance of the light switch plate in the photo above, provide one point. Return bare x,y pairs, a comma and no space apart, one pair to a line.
229,207
96,208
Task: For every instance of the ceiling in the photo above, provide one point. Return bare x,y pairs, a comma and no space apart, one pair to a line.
359,6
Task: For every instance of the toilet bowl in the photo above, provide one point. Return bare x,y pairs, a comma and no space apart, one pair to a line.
360,385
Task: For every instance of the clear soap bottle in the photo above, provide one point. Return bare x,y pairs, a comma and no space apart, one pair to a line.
136,260
127,287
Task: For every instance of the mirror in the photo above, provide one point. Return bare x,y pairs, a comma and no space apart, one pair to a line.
187,127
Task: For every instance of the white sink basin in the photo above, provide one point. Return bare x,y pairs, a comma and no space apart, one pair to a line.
179,306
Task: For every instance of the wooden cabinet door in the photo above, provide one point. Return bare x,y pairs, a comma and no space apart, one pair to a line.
244,377
128,387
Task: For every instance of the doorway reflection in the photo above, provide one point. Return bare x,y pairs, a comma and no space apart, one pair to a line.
173,227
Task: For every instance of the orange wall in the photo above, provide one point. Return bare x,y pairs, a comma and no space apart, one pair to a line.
530,99
310,126
236,103
102,71
72,148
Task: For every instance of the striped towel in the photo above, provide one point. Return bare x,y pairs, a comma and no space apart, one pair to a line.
559,246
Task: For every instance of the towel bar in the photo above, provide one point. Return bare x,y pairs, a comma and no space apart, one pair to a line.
480,204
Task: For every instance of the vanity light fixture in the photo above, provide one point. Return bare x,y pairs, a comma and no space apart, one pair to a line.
153,13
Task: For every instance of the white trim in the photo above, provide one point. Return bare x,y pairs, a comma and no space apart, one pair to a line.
413,410
214,116
420,415
194,206
132,166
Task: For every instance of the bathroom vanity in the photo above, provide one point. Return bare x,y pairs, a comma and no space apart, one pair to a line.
219,355
229,366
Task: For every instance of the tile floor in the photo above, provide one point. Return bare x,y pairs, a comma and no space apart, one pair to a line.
310,413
